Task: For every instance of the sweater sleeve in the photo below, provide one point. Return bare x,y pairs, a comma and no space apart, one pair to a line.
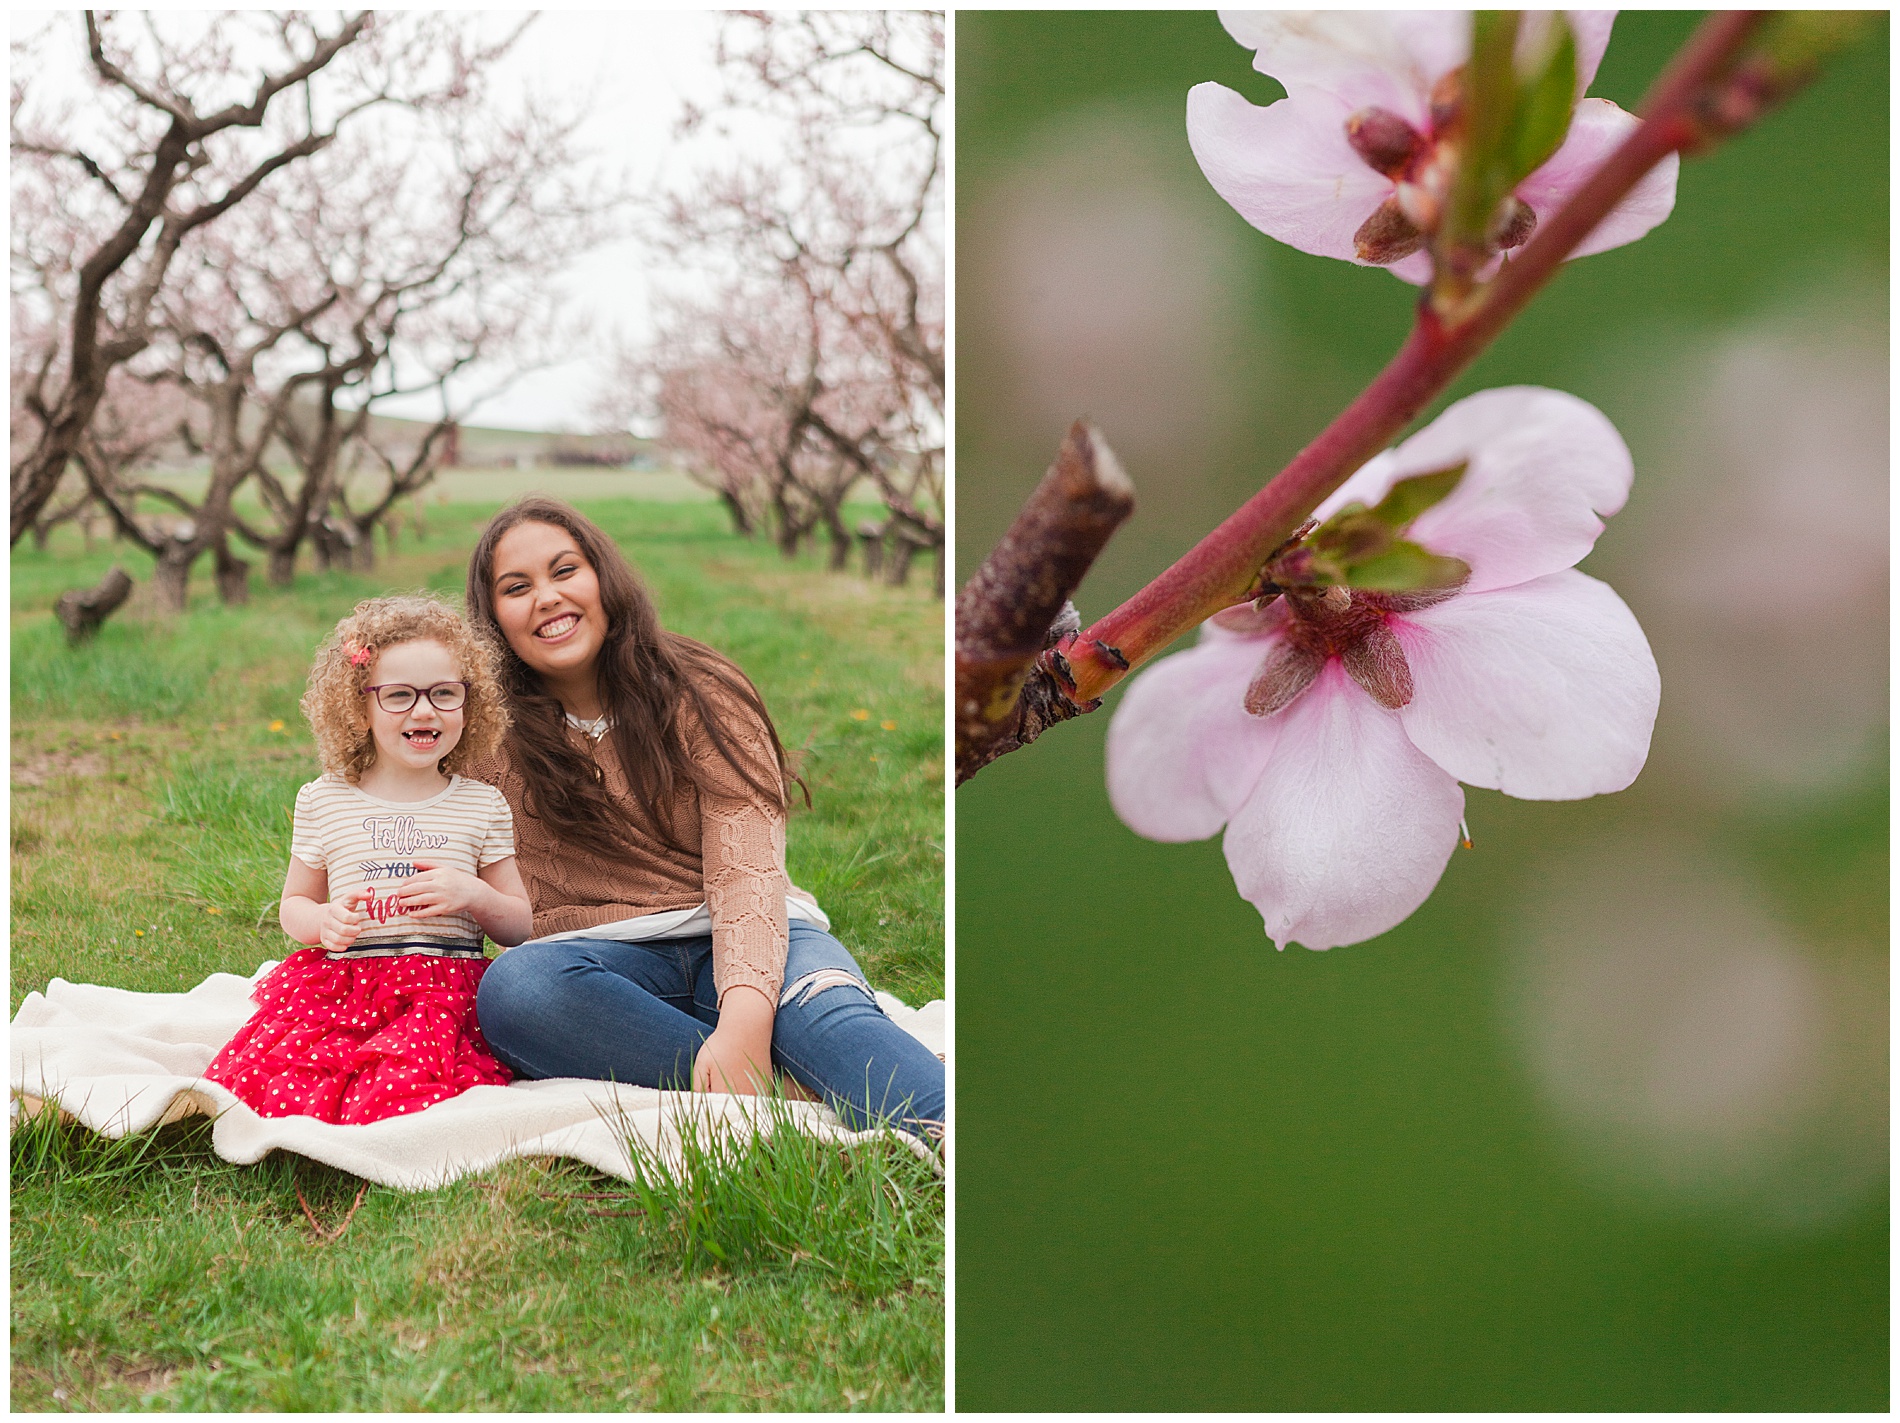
742,850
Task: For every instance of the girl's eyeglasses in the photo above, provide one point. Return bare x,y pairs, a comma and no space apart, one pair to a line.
397,697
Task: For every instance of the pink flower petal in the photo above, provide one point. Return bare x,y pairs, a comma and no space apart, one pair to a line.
1183,751
1388,58
1287,168
1416,269
1545,469
1349,827
1545,691
1592,31
1596,130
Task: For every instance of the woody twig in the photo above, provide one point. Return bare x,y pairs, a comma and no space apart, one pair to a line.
1017,605
1737,66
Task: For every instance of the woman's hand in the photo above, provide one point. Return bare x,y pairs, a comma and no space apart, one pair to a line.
342,921
738,1056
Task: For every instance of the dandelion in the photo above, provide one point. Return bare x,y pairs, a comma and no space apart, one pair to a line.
888,725
861,714
277,726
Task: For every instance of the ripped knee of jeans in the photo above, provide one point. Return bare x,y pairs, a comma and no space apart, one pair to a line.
808,986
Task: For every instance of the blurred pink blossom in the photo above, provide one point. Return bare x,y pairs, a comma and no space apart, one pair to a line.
1329,732
1356,161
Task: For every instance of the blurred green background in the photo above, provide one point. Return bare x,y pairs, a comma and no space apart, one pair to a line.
1604,1126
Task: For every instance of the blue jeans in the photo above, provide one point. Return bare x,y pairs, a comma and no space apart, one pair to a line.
637,1013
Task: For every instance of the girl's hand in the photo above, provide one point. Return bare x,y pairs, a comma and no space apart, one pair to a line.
342,921
738,1056
495,899
435,890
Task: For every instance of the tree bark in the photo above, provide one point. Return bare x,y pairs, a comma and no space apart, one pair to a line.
871,535
233,574
1017,604
735,506
84,610
171,575
840,538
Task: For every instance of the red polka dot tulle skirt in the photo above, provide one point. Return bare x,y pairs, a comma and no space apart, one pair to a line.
358,1040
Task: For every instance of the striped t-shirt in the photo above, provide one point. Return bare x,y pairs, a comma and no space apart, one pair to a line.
361,842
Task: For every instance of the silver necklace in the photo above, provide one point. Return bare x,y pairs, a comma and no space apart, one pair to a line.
592,730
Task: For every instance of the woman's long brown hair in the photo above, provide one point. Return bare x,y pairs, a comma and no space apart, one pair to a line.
646,675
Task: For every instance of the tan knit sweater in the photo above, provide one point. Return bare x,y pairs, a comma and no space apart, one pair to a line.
737,868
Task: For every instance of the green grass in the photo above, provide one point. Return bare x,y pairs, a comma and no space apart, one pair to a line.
153,771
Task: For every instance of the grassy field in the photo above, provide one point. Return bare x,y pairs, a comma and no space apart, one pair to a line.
152,777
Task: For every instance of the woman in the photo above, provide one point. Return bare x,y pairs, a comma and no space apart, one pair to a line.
649,789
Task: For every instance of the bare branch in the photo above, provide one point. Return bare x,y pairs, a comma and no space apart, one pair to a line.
1007,614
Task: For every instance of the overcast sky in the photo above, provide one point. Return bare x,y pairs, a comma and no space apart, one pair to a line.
639,68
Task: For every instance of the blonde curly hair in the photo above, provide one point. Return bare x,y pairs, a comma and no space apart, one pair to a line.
335,705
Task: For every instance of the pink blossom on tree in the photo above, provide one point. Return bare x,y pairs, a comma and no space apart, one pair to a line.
812,359
1358,160
1329,731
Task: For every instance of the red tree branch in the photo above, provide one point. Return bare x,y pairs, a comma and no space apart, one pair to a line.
1219,570
1715,86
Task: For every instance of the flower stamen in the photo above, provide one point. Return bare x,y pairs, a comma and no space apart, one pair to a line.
1422,165
1386,142
1316,625
1518,225
1387,236
1377,663
1288,671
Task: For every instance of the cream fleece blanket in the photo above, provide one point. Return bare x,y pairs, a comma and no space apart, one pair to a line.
124,1062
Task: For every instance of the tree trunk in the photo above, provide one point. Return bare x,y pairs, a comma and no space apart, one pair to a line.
331,546
234,576
911,541
741,520
871,536
282,568
840,542
900,563
83,610
171,575
37,479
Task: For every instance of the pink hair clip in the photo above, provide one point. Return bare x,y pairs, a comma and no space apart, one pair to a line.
362,657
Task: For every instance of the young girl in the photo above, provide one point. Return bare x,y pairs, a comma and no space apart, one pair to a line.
398,866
